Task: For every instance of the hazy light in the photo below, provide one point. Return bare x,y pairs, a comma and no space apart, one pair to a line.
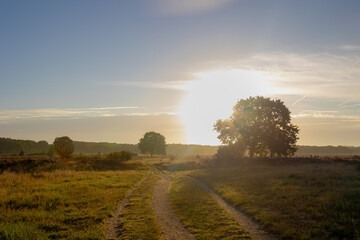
212,95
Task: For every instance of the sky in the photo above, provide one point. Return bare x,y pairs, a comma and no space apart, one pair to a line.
109,71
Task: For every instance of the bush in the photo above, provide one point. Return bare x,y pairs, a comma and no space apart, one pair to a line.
231,152
64,147
119,156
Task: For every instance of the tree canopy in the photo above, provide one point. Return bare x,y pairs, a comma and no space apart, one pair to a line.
64,146
153,143
262,124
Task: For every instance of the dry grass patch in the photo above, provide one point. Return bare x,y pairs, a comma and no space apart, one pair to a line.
60,204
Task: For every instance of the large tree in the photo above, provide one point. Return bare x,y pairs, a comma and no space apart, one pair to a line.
64,146
153,143
263,124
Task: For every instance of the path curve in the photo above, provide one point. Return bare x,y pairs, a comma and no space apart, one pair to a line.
170,225
112,222
254,228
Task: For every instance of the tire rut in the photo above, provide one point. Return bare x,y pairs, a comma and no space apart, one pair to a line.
255,229
169,223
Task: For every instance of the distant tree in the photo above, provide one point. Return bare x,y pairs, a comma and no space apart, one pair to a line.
64,147
153,143
263,124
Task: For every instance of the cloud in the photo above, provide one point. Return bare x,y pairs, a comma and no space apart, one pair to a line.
317,75
350,47
187,7
144,114
176,85
338,115
322,75
54,113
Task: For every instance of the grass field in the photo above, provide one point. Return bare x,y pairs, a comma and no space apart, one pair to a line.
61,204
201,214
295,201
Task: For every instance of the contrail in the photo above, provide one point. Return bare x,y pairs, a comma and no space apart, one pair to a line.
300,99
343,103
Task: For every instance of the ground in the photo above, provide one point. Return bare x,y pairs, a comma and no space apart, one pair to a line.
178,198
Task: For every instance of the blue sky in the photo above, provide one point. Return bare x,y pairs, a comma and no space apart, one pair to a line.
111,70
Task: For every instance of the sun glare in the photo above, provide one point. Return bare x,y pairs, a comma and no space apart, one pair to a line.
211,96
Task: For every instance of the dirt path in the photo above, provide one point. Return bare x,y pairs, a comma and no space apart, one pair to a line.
169,223
254,228
112,223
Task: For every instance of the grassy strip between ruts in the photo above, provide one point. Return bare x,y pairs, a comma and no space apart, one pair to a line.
138,219
61,204
302,201
200,213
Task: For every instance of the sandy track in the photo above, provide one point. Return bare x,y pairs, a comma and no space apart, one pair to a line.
254,228
112,222
169,223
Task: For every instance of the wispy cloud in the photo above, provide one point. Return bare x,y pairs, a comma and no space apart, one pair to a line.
144,114
338,115
318,75
350,47
53,113
186,7
177,85
324,74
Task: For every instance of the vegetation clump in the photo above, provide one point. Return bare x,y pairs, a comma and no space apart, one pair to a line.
119,156
232,151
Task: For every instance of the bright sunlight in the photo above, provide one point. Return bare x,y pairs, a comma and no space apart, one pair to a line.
211,96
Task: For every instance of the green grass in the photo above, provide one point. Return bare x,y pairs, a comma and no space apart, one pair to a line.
299,201
201,214
138,219
61,204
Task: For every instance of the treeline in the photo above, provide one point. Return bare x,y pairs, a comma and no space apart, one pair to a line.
171,149
12,146
202,150
103,147
327,150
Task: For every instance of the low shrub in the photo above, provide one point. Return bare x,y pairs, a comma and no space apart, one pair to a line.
119,156
232,151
